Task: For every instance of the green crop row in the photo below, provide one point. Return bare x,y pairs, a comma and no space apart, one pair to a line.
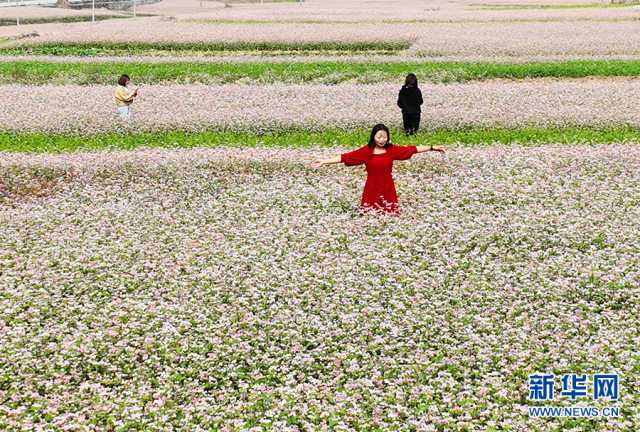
60,143
108,48
30,72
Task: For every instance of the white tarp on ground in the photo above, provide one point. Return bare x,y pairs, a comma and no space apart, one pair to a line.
74,3
12,3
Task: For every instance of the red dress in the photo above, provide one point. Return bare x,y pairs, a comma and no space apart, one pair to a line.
379,190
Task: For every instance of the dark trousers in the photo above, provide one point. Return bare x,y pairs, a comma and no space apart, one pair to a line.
411,122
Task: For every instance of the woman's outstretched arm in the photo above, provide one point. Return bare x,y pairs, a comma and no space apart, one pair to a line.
355,157
320,162
429,148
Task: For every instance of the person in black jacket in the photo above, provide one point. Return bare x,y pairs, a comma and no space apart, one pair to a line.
409,100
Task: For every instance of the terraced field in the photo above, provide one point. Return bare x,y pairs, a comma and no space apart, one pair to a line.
188,270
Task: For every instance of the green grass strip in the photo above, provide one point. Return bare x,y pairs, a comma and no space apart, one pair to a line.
33,73
108,48
59,143
64,19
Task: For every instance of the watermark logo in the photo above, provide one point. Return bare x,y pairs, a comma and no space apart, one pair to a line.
574,386
605,386
541,387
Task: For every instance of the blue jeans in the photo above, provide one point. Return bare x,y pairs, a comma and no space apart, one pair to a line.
124,112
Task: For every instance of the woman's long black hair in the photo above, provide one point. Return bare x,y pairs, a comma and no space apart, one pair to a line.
376,128
411,80
123,80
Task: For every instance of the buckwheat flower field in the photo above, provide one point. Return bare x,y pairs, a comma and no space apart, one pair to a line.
192,269
203,288
491,103
347,58
437,39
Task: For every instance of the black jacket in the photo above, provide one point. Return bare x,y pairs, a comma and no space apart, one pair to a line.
410,99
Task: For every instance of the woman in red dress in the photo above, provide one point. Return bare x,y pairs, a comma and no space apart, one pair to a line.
379,193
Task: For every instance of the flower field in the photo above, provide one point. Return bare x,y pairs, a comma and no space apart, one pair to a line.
438,40
187,270
493,103
203,289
